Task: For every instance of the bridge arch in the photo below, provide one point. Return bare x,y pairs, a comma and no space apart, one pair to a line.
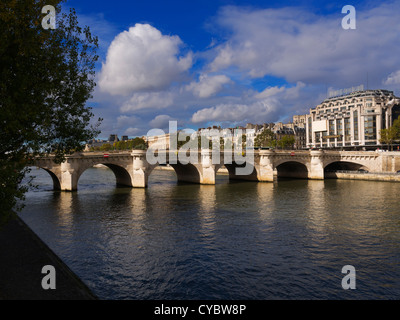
54,177
184,172
234,176
187,172
56,180
292,169
332,167
344,165
122,175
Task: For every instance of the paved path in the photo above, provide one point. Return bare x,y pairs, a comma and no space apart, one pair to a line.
22,257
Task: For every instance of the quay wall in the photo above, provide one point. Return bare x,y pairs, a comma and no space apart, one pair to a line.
363,176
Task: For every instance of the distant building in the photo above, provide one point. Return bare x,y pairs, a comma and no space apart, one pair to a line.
351,120
300,121
113,138
95,143
290,129
300,137
160,142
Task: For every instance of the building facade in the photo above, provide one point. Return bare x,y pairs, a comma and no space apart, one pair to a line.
297,130
351,120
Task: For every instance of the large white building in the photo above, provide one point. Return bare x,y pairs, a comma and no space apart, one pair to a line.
353,119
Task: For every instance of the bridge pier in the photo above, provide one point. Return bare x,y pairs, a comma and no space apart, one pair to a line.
316,170
207,169
68,178
141,169
265,172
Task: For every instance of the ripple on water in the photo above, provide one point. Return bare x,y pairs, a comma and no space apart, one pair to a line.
243,240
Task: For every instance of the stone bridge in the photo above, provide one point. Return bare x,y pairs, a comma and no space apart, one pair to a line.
133,168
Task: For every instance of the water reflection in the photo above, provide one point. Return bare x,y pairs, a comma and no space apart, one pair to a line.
265,203
235,240
65,210
137,204
208,202
317,210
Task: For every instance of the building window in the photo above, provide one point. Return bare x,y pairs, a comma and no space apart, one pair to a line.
318,137
383,125
395,113
331,128
309,130
355,116
370,127
339,128
347,130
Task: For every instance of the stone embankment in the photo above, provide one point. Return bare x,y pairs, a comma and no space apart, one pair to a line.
22,258
369,176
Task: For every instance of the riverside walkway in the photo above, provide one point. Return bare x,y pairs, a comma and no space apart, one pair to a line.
22,257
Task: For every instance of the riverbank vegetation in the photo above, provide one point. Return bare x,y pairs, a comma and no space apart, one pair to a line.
46,78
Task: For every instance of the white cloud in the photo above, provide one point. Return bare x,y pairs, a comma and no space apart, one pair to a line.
125,121
305,51
208,86
148,100
297,45
133,132
269,92
235,112
143,59
223,112
393,78
161,121
255,107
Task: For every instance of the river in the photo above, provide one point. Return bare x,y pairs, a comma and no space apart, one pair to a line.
236,240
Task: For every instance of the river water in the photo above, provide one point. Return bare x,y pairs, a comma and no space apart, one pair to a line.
236,240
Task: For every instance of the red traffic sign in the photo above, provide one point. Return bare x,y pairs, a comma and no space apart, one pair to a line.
292,154
106,155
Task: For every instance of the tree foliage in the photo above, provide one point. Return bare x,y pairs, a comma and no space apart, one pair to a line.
265,139
46,78
137,144
391,134
286,142
268,139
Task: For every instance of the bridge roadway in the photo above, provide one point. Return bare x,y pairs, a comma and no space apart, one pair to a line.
133,168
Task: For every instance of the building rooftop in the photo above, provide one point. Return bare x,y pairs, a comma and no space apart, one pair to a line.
364,93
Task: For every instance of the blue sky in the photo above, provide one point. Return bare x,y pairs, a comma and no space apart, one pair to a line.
230,62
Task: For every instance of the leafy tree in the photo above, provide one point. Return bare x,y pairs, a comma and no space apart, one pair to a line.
139,144
46,78
388,136
106,147
391,134
287,141
120,145
396,126
265,139
244,141
226,143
